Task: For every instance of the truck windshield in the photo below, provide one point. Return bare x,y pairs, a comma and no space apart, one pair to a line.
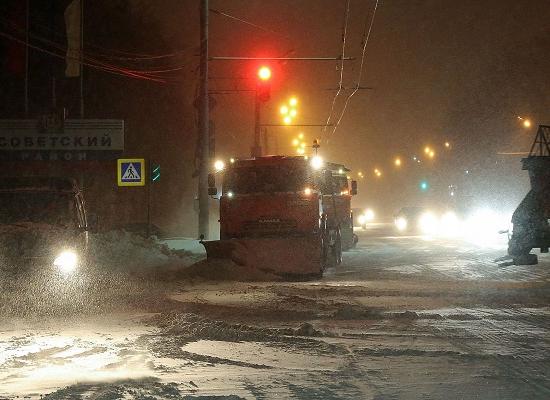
266,179
37,207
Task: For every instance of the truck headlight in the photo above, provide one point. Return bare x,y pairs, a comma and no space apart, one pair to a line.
66,261
401,223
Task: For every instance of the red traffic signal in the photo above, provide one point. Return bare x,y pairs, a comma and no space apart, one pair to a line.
264,73
263,86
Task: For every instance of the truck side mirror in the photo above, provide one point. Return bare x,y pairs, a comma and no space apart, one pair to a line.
212,190
353,188
93,222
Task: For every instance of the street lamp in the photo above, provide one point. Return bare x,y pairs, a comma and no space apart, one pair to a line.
526,122
219,165
397,162
288,110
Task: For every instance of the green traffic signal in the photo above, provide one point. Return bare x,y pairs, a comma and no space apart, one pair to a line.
424,186
155,173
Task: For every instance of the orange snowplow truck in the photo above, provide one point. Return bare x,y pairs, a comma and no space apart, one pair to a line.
271,218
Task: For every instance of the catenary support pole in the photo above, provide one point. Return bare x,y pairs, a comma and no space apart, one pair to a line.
256,145
203,123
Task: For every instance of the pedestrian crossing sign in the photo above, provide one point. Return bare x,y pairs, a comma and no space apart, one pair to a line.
131,172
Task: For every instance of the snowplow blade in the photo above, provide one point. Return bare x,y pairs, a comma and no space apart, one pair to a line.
287,257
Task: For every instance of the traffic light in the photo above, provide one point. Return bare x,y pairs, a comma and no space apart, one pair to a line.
155,173
424,186
264,73
263,88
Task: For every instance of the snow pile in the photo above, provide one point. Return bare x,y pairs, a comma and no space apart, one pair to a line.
194,327
225,270
124,250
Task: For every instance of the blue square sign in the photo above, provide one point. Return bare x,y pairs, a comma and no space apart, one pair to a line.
131,172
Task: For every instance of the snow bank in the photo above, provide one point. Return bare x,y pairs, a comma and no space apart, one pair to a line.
124,250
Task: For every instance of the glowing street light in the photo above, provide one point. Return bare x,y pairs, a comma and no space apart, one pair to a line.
300,135
397,162
526,122
431,154
316,162
447,145
295,142
288,110
300,150
303,145
219,165
360,174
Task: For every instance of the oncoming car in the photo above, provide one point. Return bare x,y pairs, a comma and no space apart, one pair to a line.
42,224
421,221
365,217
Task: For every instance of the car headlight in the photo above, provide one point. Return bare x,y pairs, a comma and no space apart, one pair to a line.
428,223
362,219
369,214
401,223
66,261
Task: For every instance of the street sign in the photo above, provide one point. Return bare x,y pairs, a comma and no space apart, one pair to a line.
131,172
50,139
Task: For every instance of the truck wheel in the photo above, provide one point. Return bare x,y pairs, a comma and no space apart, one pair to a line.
526,259
337,247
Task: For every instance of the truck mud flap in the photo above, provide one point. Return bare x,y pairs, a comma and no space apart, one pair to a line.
287,257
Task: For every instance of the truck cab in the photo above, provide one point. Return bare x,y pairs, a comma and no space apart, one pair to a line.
43,223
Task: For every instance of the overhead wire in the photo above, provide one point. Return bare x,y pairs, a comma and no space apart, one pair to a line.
363,53
122,54
109,69
156,74
224,14
343,54
89,59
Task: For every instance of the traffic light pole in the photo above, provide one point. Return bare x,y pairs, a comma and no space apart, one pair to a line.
256,146
204,227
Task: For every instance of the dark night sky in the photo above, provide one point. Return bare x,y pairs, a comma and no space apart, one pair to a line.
441,70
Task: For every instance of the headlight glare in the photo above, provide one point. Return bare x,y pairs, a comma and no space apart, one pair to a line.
401,223
66,261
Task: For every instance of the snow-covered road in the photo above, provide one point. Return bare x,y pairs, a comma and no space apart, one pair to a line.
403,318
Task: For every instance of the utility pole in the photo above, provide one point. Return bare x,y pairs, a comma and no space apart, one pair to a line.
204,225
27,20
81,58
257,147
